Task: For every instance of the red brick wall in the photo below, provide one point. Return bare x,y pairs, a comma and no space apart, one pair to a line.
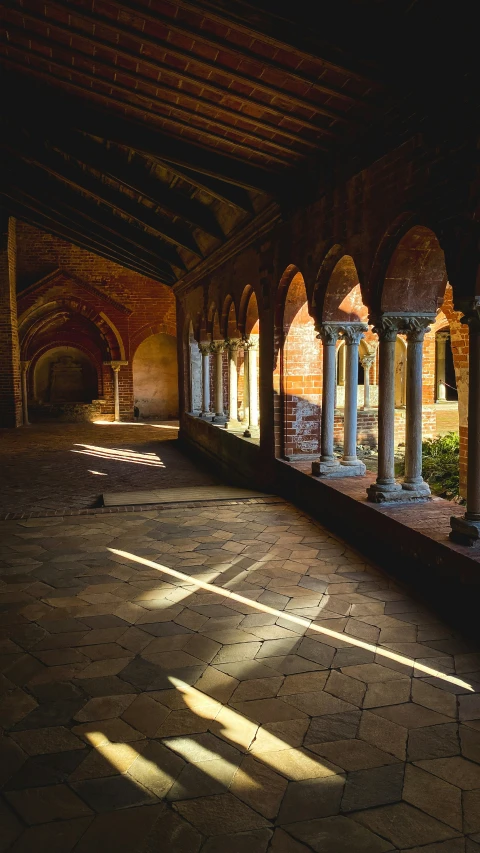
136,306
10,378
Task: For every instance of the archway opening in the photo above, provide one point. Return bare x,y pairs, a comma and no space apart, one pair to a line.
64,374
301,370
155,378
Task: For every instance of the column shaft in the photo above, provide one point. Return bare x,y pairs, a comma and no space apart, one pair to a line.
253,385
219,382
205,350
10,377
386,410
233,383
116,393
413,481
351,402
327,464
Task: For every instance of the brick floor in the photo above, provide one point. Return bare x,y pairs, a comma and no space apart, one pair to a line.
204,680
68,466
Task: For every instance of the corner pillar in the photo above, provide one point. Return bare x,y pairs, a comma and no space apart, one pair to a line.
466,529
24,368
10,374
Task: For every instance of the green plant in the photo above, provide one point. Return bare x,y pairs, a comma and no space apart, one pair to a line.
441,465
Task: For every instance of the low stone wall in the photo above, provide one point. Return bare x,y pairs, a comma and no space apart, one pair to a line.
67,412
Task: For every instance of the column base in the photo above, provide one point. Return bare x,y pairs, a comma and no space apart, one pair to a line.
421,489
464,531
207,416
336,469
395,493
234,426
219,419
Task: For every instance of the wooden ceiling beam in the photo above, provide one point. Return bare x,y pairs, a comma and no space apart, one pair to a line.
281,35
149,100
57,227
161,86
33,182
135,175
59,169
242,53
210,67
64,111
228,193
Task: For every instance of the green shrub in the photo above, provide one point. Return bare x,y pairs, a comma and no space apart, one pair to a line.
441,465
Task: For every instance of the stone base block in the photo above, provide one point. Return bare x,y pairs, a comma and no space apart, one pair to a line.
464,532
379,495
327,469
219,419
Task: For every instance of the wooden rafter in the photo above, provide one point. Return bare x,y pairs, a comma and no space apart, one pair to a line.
161,85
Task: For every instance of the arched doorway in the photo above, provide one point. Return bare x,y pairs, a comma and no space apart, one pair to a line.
64,374
155,377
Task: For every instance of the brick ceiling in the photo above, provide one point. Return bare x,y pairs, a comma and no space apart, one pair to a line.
151,131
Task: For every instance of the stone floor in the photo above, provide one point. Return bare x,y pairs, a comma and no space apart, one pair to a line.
68,466
230,679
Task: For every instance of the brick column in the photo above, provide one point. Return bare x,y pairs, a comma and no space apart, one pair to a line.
466,529
10,375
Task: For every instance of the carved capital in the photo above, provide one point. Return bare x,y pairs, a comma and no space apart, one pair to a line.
329,333
443,336
367,360
205,347
352,333
217,346
250,343
233,344
116,365
416,326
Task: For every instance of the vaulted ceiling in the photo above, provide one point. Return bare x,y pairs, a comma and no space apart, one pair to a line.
150,132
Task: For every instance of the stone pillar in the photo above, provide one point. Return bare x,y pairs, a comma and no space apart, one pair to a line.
116,365
367,361
10,378
386,488
205,349
466,529
415,327
352,334
328,465
251,348
233,422
441,346
24,368
217,349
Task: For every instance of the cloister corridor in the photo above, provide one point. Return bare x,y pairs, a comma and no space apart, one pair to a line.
221,677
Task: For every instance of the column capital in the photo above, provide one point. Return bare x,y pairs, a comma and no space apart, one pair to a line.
205,347
250,343
233,344
352,333
367,359
442,336
116,365
416,326
328,333
217,346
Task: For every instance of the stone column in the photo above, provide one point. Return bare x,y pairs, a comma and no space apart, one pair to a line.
328,465
386,488
233,422
466,529
218,348
441,341
205,349
10,378
367,361
251,347
415,327
352,334
116,365
24,368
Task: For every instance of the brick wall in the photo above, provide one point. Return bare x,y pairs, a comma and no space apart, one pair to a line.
10,377
112,309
